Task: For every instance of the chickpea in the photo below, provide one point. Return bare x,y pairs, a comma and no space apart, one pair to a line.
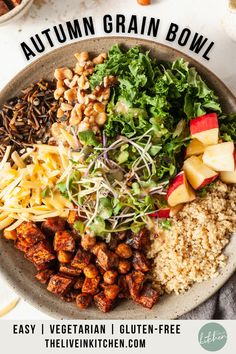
124,251
64,256
124,266
88,242
90,271
111,291
99,246
110,276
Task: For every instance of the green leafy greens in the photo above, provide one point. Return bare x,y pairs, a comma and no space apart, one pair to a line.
154,96
123,180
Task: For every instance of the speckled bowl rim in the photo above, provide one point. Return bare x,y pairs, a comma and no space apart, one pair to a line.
216,285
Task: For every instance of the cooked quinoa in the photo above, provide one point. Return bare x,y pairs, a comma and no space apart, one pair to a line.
192,250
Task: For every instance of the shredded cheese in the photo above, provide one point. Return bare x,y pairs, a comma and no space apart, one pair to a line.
22,185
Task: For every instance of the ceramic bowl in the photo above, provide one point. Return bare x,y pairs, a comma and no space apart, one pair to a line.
20,273
16,13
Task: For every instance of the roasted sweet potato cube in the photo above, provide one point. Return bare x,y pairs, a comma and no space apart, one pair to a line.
28,234
10,235
100,269
60,284
135,282
15,2
140,240
40,254
148,296
64,241
140,262
81,259
43,276
70,296
3,8
22,244
79,282
103,303
112,291
83,300
122,282
52,225
88,242
107,259
69,270
72,217
90,285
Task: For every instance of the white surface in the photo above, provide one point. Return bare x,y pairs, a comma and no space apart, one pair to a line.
229,22
203,16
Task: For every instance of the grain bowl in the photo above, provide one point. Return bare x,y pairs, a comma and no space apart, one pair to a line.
108,188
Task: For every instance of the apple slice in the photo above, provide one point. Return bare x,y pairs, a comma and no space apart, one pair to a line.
195,148
179,191
220,157
228,177
205,129
174,210
198,174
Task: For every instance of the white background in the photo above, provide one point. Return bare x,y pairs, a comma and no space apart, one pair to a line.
186,341
206,17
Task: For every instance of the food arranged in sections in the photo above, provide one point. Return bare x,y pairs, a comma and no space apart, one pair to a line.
101,164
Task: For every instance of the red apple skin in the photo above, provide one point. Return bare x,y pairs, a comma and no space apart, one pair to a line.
163,213
175,183
203,123
208,181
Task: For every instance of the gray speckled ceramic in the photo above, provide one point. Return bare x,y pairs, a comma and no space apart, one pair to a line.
20,273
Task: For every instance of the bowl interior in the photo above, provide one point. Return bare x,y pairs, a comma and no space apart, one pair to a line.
20,273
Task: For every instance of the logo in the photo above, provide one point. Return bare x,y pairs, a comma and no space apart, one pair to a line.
212,337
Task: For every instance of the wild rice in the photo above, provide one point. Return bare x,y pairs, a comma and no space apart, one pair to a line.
27,119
